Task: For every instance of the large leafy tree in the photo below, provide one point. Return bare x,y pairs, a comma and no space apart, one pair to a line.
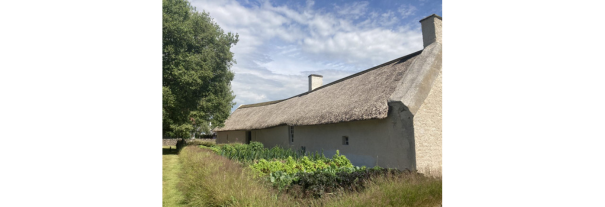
196,83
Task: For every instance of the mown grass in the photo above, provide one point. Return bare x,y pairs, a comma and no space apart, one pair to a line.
170,170
208,179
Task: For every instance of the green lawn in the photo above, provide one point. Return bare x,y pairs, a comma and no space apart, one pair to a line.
170,170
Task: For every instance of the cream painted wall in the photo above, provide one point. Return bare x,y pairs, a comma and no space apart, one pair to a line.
224,137
365,145
271,137
427,129
371,142
315,82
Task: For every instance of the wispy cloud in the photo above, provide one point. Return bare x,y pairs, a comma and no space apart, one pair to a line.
406,11
352,10
281,45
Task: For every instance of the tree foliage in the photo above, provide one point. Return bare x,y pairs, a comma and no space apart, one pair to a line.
196,82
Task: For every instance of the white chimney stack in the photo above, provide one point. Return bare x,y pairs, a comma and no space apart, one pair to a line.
315,81
431,29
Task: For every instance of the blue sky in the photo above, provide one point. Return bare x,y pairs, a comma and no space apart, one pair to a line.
282,42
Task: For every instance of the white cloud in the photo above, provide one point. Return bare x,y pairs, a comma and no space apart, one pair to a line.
280,45
406,11
354,10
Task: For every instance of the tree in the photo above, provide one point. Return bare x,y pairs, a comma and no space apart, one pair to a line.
196,82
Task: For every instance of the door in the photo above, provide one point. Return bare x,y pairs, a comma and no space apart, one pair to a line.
248,137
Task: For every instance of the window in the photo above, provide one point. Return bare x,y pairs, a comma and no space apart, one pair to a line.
345,140
291,134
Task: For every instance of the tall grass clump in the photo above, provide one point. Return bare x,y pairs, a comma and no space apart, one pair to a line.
395,190
208,179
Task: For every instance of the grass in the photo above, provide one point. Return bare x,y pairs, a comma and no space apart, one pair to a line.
208,179
212,180
412,190
170,170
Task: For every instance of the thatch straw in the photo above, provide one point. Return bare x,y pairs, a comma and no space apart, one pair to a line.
361,96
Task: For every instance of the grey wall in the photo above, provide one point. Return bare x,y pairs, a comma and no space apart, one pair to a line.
371,142
271,137
384,142
224,137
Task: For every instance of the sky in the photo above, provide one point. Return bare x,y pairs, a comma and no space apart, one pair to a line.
282,42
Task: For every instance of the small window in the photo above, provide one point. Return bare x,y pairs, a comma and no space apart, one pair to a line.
291,134
345,140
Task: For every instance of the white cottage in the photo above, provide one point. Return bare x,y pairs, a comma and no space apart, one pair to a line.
388,115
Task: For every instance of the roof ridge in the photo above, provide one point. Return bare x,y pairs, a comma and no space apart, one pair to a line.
405,57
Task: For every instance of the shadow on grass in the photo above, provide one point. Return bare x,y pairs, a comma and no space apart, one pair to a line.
169,151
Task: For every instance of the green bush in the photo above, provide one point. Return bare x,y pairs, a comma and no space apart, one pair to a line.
256,146
256,151
202,142
291,166
352,179
340,160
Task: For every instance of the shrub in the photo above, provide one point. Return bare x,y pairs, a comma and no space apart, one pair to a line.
202,142
256,146
353,179
256,151
264,167
340,160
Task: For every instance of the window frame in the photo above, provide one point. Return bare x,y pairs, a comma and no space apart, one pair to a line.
291,134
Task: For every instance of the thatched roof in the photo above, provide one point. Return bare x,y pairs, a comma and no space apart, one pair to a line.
360,96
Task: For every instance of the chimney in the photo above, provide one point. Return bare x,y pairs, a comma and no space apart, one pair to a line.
431,29
315,81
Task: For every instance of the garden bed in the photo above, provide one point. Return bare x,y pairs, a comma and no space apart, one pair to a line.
303,174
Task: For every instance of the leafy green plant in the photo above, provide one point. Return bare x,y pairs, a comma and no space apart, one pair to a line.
282,179
256,146
340,160
256,151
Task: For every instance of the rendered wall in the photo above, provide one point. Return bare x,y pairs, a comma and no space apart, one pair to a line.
431,30
371,142
427,129
384,142
315,82
231,137
271,137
